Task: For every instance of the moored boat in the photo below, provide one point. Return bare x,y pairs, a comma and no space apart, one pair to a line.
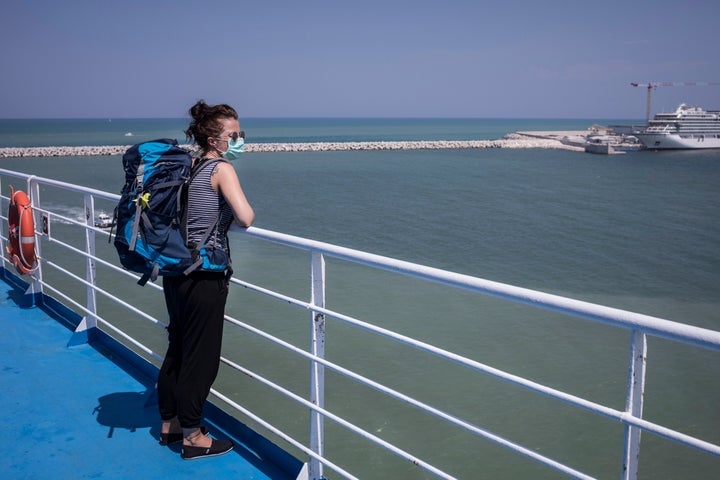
612,143
686,128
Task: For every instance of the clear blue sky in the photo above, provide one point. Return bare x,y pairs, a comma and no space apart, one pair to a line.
336,58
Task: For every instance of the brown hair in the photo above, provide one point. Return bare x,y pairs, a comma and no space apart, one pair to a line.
205,122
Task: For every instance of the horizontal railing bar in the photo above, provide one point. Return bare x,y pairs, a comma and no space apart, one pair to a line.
350,426
453,420
628,320
533,386
104,322
52,215
145,349
356,376
88,284
271,293
125,272
282,434
111,297
570,399
114,197
12,173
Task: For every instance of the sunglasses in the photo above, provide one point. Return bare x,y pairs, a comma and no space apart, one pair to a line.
235,135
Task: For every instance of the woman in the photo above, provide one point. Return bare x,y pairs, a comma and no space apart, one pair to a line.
196,302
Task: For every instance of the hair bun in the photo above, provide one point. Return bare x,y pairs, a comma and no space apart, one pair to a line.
199,110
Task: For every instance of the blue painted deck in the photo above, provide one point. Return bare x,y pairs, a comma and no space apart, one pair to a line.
80,411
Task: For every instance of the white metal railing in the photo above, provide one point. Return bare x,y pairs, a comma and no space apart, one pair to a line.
639,325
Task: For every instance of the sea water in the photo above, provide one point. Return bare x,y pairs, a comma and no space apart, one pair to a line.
638,231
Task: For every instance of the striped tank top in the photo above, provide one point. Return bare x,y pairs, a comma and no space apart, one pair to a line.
204,206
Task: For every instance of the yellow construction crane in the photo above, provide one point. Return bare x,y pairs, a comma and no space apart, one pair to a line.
653,85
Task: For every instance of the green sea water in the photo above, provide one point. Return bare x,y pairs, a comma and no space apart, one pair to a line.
636,231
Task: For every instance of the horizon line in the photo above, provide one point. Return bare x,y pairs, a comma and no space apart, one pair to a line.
331,118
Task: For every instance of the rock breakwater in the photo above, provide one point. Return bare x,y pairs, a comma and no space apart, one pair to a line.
515,140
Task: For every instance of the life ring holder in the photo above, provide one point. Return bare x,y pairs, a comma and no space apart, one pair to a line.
21,233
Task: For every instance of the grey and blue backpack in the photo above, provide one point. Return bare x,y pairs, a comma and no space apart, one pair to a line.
151,230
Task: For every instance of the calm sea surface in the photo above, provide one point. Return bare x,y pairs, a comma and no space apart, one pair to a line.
639,231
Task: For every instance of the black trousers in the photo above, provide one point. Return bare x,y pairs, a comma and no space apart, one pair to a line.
196,307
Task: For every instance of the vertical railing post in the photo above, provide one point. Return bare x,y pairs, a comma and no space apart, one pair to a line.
90,320
317,371
634,404
90,268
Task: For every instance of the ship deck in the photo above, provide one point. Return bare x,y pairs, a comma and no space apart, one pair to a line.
85,412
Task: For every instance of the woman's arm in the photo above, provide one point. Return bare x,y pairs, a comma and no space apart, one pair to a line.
226,182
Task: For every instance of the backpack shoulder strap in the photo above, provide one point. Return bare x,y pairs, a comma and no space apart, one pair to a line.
202,165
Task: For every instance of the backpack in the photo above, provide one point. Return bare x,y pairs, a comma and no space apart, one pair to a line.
151,233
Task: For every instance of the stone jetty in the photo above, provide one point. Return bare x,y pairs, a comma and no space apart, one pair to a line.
545,140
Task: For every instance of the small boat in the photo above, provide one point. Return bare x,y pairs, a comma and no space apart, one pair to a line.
103,220
609,144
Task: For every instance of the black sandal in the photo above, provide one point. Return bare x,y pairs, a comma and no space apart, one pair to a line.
218,447
167,439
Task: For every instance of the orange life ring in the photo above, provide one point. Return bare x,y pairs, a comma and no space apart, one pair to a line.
21,233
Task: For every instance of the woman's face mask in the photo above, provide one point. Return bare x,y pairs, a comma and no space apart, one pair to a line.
235,145
235,149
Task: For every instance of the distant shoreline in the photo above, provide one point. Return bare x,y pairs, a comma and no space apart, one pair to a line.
548,140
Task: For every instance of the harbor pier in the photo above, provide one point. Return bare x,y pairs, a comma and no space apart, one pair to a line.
545,140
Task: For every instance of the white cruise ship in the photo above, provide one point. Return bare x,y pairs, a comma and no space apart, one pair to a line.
688,127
